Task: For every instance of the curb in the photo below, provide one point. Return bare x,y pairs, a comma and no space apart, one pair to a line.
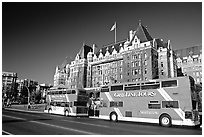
13,109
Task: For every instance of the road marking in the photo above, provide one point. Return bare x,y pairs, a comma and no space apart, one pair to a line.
89,124
26,114
66,128
13,117
37,122
6,132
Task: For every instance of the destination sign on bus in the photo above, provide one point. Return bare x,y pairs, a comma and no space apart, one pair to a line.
134,94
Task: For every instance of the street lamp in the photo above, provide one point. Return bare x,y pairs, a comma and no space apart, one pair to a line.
28,96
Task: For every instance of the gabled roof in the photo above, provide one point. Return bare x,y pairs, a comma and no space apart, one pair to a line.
160,43
110,47
84,51
142,34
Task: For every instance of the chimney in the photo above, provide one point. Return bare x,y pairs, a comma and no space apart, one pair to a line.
94,48
153,42
168,45
131,33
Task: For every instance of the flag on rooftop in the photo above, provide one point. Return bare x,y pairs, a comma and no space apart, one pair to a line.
113,27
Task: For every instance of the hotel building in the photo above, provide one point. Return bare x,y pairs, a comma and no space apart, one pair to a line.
139,57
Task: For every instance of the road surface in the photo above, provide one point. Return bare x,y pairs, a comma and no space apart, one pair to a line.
27,123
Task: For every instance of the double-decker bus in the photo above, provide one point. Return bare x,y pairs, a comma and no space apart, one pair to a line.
167,102
68,102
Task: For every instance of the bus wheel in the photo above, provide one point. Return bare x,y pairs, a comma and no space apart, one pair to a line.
165,120
49,110
113,116
66,113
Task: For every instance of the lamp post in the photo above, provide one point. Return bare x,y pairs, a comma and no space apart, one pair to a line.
28,96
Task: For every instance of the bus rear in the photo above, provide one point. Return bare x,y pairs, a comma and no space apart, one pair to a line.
68,102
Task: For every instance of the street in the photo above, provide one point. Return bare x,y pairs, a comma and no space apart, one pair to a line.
27,123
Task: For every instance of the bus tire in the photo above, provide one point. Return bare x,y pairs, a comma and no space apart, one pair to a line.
49,110
113,116
165,120
66,113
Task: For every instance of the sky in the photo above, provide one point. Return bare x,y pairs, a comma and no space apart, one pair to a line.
36,37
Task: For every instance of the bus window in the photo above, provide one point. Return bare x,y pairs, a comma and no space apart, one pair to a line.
116,104
80,103
60,92
154,104
155,86
132,88
73,92
70,104
104,89
66,104
132,84
170,104
170,83
58,104
64,92
63,104
68,91
128,113
149,82
117,87
56,92
82,92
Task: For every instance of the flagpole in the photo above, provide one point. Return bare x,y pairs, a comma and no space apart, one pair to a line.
115,32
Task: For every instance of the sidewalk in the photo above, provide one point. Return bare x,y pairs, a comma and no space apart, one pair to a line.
37,108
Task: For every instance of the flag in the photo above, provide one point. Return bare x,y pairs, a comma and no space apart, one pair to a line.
113,27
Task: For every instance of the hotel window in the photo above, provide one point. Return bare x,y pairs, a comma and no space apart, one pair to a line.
139,71
121,76
121,69
145,55
121,63
197,74
128,65
133,64
136,71
128,57
162,72
145,62
145,70
133,72
162,65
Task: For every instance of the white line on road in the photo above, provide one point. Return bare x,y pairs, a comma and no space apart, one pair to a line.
56,126
71,129
13,117
6,132
89,124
